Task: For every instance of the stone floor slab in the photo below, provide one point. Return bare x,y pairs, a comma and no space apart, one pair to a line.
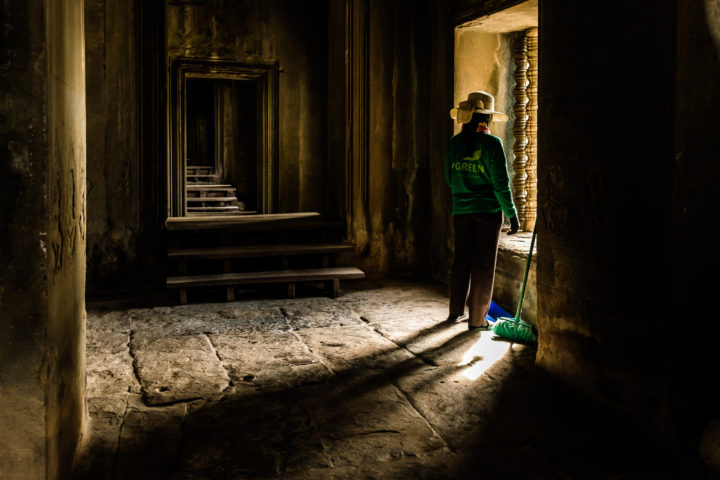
366,419
150,439
178,368
353,348
252,437
109,366
420,329
268,360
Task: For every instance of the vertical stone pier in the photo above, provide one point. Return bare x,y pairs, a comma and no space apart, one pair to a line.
42,243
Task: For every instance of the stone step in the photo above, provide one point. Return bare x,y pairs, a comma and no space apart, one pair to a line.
211,199
257,251
273,222
210,186
209,194
199,177
274,276
227,208
193,169
199,182
224,216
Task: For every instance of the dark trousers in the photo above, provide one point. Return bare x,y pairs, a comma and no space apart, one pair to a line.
476,245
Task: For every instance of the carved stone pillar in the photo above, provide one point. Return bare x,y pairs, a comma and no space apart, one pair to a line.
528,220
520,126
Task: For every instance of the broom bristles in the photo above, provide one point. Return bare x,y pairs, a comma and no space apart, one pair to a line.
514,329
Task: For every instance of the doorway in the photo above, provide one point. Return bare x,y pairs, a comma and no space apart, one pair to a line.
498,53
223,139
222,156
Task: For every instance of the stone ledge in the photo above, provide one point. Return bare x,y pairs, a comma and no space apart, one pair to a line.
518,244
512,257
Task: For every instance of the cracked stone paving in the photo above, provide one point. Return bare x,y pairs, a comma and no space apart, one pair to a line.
368,385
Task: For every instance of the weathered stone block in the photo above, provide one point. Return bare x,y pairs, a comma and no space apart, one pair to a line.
178,368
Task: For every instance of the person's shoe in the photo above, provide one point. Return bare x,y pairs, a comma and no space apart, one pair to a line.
453,318
481,328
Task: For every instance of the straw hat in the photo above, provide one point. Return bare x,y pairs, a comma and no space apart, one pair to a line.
477,102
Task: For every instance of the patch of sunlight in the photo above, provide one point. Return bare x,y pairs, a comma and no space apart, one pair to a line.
482,355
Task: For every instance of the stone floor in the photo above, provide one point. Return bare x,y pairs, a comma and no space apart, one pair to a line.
369,385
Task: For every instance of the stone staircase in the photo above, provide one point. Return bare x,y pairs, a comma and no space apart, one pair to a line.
228,252
205,196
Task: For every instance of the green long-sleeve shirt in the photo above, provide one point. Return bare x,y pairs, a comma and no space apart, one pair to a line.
479,181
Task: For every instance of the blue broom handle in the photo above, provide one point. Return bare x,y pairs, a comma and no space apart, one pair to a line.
527,271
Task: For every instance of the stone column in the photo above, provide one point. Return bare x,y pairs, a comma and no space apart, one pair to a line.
520,126
42,237
530,213
524,184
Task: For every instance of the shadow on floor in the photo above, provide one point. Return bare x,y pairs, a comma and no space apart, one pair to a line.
398,422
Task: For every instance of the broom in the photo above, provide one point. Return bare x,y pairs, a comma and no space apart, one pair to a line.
514,329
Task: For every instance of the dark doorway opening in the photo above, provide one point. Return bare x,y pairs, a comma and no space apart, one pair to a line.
200,123
223,121
223,140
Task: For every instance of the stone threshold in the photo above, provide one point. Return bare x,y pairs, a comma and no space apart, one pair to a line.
195,222
518,244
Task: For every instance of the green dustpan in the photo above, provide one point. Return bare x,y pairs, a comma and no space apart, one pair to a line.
515,329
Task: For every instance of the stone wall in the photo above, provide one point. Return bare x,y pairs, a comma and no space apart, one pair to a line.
599,284
23,261
42,243
467,10
398,160
483,61
695,218
441,129
379,93
116,240
624,212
